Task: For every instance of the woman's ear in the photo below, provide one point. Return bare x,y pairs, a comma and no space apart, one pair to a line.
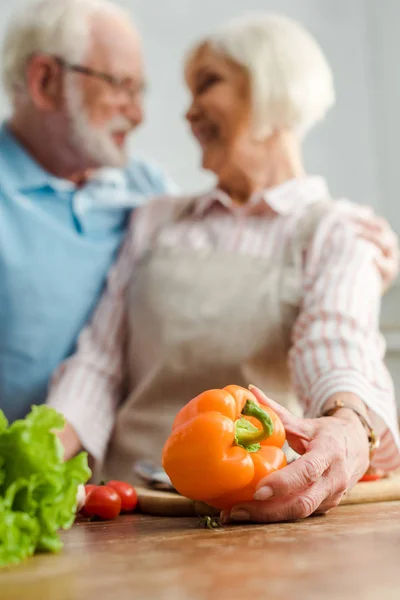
44,82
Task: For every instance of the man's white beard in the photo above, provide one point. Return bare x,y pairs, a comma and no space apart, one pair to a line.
97,143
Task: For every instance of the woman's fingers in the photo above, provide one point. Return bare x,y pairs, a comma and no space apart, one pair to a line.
263,399
295,427
334,474
297,476
298,506
320,497
334,459
329,503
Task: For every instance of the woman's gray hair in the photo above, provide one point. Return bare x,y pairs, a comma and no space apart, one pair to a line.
56,27
291,81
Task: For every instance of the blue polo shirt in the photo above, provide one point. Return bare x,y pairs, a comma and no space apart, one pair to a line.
57,243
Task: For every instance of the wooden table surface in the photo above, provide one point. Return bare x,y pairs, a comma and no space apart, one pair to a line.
352,553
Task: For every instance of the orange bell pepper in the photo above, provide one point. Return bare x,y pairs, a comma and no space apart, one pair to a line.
222,443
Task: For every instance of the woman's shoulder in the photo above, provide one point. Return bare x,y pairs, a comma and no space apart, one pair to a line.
328,220
331,211
343,214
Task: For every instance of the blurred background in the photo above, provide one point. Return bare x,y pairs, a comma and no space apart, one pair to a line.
356,148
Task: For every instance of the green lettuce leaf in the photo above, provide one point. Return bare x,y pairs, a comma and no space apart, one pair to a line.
19,534
38,490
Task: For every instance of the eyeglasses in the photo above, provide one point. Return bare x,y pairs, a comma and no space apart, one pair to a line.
121,84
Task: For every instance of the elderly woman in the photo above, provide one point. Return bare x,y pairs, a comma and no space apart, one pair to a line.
263,280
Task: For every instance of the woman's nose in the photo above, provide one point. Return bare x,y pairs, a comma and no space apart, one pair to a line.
192,113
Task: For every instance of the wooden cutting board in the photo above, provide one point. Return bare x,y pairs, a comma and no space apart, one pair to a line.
170,504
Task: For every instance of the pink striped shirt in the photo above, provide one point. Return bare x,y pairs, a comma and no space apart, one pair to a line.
337,346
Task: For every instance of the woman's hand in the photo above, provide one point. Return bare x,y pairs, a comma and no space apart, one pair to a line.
335,455
378,231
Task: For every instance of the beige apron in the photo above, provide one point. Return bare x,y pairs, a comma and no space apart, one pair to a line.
200,320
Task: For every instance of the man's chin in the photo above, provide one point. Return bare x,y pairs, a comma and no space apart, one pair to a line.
119,163
115,160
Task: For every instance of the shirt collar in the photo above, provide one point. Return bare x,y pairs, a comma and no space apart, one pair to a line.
282,199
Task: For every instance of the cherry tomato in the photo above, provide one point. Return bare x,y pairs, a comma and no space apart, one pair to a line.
127,493
103,502
84,511
373,475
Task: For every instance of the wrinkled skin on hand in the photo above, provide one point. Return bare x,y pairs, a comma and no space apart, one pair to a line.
334,456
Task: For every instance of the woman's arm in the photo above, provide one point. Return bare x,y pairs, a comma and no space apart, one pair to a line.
337,354
88,387
337,346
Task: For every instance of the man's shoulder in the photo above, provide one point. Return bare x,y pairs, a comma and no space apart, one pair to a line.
149,176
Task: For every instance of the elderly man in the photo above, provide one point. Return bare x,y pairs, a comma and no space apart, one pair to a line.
73,71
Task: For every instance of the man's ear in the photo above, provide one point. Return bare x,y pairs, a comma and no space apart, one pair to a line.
44,81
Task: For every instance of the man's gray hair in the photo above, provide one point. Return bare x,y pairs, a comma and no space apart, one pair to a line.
56,27
291,81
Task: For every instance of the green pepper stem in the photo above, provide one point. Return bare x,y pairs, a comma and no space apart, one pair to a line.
248,436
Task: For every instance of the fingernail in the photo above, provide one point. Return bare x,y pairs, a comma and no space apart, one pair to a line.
240,514
263,493
252,387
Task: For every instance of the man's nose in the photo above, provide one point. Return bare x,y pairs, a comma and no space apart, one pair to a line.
134,111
